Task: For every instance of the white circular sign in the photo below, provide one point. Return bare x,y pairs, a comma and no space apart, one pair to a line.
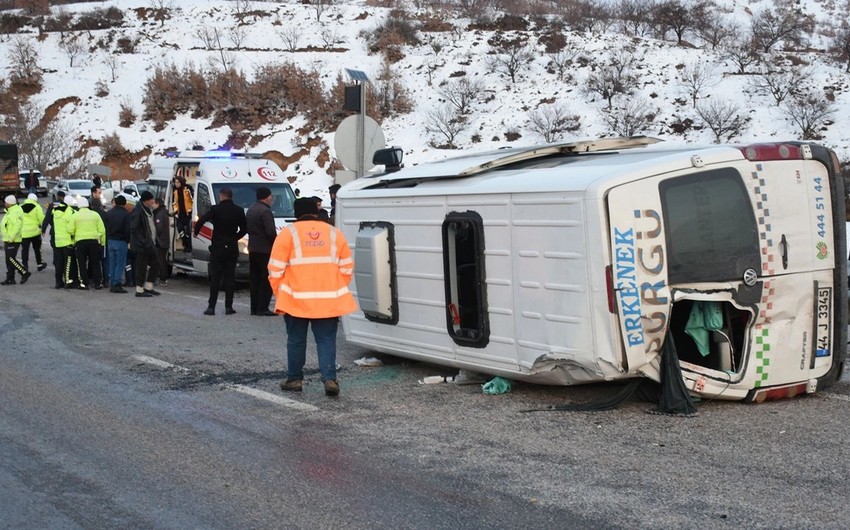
345,142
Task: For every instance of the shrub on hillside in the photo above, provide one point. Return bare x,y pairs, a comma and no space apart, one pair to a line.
111,146
398,29
99,19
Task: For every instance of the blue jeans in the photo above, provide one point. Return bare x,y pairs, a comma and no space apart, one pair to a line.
324,331
117,259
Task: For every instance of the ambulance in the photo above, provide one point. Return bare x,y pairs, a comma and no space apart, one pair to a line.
207,173
577,263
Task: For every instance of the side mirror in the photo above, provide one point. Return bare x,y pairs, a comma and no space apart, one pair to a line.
389,157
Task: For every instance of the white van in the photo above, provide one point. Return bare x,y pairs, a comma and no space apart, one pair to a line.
574,263
207,173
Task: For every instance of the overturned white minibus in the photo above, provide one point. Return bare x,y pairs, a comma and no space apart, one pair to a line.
574,263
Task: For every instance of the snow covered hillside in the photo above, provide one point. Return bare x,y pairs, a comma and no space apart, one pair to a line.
551,96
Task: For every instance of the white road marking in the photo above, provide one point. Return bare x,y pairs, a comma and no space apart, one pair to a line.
253,392
157,362
278,400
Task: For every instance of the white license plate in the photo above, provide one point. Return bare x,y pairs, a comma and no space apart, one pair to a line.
823,321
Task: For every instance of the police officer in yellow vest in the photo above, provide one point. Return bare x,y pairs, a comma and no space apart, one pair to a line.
33,218
309,270
11,229
89,233
65,242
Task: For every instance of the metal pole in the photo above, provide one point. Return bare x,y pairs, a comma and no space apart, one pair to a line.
361,131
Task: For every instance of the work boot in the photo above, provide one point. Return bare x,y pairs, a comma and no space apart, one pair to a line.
229,311
331,388
210,311
25,277
8,282
292,385
42,266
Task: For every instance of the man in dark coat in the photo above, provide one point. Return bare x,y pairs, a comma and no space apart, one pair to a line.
229,226
117,237
143,244
261,235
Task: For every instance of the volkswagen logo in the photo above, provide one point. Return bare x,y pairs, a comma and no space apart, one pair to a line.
750,277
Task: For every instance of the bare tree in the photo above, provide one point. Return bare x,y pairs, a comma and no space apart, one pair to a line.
742,53
810,112
511,58
561,60
42,143
290,34
771,26
716,30
779,83
161,9
447,122
841,47
676,16
237,35
593,16
211,37
242,8
23,59
461,93
613,78
630,116
635,16
696,78
723,117
73,48
112,62
552,121
320,6
329,36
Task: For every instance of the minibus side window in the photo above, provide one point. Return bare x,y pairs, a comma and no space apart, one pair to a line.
463,265
203,200
710,227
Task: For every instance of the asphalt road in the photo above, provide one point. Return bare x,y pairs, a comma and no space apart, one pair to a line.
144,413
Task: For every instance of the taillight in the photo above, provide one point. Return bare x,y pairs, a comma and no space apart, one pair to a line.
780,392
763,152
609,285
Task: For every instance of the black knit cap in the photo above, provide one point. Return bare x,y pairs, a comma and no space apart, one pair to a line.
306,206
263,192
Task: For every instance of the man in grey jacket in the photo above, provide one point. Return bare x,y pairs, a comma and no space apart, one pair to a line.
261,236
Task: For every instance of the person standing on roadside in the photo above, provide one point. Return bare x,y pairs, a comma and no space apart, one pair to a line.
309,270
56,209
86,227
117,238
182,208
332,192
31,182
143,244
96,205
31,232
229,226
65,241
261,236
11,228
161,223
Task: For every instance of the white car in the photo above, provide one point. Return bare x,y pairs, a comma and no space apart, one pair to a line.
73,187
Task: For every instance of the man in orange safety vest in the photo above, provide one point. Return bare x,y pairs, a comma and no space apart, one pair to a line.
309,270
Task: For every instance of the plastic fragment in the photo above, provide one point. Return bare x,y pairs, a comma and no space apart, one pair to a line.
368,361
497,385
